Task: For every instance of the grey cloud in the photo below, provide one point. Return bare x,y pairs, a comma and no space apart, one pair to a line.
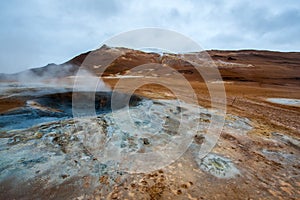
262,19
35,33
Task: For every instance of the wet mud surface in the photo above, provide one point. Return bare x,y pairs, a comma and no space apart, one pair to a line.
37,109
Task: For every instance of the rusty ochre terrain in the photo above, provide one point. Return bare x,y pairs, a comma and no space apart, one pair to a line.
45,154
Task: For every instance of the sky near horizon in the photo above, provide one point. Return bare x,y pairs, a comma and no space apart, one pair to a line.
37,32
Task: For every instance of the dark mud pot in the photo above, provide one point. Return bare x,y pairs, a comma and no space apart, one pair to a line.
59,106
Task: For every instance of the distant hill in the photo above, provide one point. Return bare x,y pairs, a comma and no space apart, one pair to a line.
241,65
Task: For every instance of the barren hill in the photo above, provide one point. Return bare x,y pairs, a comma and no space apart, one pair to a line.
263,67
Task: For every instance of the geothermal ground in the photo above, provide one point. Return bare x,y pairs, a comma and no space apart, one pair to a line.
146,145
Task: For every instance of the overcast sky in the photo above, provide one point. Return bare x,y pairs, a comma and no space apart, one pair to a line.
37,32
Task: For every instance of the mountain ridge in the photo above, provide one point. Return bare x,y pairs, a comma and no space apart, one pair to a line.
265,66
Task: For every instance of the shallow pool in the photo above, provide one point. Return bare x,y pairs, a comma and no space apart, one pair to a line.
285,101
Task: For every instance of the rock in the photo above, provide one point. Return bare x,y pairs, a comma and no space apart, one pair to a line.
145,141
38,135
199,139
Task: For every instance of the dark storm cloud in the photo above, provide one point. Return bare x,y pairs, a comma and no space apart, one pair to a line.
37,32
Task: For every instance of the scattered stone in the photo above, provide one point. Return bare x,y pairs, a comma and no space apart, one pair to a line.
14,140
184,186
145,141
179,192
171,125
38,135
199,139
64,176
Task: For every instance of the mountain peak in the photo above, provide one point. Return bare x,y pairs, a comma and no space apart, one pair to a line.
105,47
